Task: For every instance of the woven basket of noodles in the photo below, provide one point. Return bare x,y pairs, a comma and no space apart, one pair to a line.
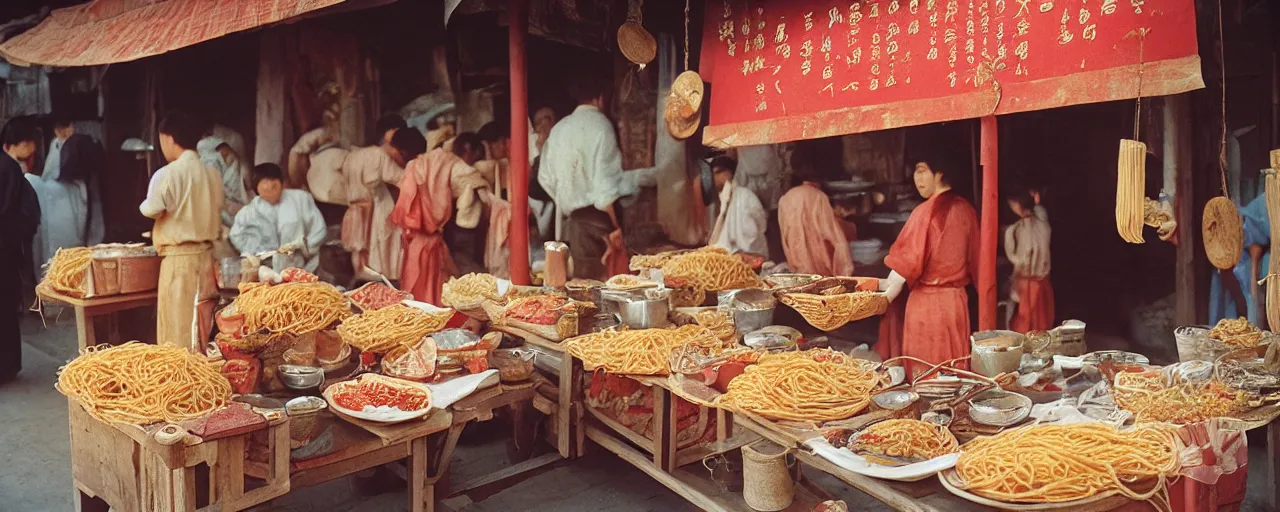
828,304
1223,233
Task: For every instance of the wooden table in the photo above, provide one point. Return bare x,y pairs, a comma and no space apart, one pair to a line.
88,309
568,409
122,467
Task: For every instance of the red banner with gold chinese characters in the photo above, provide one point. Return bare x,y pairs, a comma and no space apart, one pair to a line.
785,70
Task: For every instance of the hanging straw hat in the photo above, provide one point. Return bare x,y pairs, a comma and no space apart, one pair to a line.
636,43
688,85
1223,233
681,117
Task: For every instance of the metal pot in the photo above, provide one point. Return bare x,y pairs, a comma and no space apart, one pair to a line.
641,311
752,309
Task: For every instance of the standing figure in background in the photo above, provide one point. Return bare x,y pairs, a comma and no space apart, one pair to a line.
219,155
544,119
282,220
936,255
581,170
741,223
19,219
1228,288
433,184
366,231
386,128
185,199
813,239
69,189
1026,243
1036,192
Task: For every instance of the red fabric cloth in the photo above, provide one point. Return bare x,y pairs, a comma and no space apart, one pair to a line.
937,254
1035,305
422,211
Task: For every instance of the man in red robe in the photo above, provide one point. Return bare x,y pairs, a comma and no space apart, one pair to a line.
430,185
936,256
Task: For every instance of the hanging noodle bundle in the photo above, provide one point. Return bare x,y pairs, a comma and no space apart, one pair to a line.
709,271
67,269
1130,184
1060,463
382,330
908,439
638,351
812,386
467,291
297,308
142,384
1273,214
1146,395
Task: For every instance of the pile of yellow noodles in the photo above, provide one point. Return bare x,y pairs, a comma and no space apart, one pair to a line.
1236,331
1060,463
710,271
66,271
719,323
813,385
636,352
296,308
142,384
657,261
467,291
1150,400
381,330
909,439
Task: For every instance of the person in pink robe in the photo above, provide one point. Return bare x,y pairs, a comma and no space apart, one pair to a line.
936,256
366,234
813,239
425,206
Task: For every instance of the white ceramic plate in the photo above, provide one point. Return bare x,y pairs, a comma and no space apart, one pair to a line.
378,414
860,465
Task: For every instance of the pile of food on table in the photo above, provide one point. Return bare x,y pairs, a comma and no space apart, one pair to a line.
1030,419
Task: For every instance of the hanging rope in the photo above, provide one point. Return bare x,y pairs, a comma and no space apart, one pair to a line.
1222,144
686,35
1137,114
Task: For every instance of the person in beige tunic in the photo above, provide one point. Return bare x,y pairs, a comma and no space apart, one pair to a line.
185,198
372,240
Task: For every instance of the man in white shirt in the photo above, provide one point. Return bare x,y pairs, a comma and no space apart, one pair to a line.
279,219
581,170
740,225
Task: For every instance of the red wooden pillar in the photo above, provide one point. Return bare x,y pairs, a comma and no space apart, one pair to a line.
518,19
989,225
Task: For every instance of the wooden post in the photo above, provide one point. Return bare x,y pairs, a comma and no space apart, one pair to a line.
989,225
518,242
1177,158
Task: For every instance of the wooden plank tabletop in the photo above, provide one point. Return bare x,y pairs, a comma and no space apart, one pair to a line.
53,296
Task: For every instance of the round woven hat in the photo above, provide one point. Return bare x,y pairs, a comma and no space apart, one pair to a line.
681,117
688,85
636,43
1223,233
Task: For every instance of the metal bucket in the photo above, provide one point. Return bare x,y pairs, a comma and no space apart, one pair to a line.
646,310
996,352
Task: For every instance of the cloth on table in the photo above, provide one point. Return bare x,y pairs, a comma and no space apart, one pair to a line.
813,239
261,226
936,253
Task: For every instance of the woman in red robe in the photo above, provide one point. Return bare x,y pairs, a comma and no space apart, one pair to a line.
935,256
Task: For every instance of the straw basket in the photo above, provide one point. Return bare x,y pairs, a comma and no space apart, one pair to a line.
831,312
766,477
636,43
1194,344
1223,233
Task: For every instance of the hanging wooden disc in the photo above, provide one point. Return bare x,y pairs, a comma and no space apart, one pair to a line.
637,44
1223,233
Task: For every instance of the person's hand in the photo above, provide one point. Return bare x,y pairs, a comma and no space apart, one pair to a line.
893,285
291,247
611,242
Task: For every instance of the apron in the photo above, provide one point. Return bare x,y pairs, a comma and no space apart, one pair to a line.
187,295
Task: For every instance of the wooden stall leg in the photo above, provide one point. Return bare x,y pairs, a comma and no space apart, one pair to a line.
1273,462
183,482
565,413
724,425
664,430
84,328
87,503
579,410
421,494
228,472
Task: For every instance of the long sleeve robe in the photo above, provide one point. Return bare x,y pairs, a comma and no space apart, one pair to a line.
937,254
261,226
19,218
428,191
740,226
1026,244
365,226
812,239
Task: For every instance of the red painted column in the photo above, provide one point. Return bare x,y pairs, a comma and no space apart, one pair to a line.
990,224
518,19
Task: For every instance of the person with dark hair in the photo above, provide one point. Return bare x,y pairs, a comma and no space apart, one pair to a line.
1026,243
581,170
387,126
936,256
433,184
67,190
813,238
280,219
19,219
740,225
185,199
366,231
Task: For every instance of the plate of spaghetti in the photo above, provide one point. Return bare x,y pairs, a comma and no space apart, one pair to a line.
1041,467
140,384
811,386
378,398
905,450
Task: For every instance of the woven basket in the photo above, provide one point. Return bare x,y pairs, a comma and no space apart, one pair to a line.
831,312
636,43
681,118
766,478
1223,233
